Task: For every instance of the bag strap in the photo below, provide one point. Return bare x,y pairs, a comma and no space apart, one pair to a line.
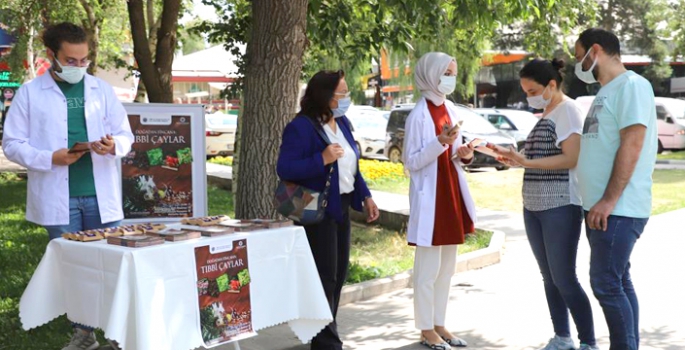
319,130
322,133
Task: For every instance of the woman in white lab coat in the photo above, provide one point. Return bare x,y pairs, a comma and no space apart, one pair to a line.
442,211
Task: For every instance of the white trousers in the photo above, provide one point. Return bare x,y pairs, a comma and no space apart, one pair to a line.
433,271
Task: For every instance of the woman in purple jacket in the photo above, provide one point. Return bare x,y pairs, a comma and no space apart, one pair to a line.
306,159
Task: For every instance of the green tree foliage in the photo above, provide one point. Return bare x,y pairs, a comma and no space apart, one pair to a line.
677,27
104,20
655,30
189,39
347,34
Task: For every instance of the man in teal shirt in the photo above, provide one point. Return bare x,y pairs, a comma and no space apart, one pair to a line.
615,165
69,191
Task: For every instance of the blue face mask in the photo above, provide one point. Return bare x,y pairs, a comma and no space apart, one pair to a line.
343,106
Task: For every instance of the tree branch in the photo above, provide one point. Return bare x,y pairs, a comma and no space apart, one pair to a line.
89,12
166,36
141,48
151,20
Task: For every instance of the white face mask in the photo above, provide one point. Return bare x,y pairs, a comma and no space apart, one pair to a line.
539,101
586,76
71,75
447,84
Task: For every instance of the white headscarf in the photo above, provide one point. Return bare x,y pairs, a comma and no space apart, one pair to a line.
427,73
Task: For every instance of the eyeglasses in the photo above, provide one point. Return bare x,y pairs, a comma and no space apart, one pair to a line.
343,94
78,63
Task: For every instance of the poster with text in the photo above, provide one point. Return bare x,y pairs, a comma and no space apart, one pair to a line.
157,175
223,286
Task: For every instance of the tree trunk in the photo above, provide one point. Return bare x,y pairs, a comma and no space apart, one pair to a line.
274,63
608,21
30,56
166,46
156,74
92,26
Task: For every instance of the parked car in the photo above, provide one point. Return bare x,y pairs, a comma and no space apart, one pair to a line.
404,105
394,135
670,119
385,114
475,126
220,132
670,115
362,109
513,122
369,133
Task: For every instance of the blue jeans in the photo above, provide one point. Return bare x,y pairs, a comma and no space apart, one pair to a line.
553,235
84,214
610,278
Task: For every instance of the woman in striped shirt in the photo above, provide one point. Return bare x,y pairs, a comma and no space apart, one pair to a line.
552,209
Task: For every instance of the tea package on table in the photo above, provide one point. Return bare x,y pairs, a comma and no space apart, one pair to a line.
213,231
205,221
135,241
173,235
242,226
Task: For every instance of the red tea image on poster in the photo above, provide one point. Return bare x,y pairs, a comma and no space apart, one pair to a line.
224,292
157,172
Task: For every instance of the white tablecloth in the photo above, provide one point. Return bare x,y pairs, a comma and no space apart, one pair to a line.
146,298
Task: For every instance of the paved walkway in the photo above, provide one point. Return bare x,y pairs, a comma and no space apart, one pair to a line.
503,306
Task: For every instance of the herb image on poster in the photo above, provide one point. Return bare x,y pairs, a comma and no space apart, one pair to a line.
157,172
223,288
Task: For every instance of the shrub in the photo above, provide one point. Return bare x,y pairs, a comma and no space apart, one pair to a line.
375,171
222,160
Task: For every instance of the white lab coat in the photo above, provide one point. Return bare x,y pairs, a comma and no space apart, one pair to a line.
36,126
420,155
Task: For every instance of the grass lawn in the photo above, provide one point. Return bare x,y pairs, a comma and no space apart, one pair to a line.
668,191
379,252
672,155
376,252
21,247
501,190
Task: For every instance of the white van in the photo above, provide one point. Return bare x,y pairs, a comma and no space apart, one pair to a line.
670,119
670,114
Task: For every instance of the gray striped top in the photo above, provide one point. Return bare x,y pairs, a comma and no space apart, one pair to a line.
548,189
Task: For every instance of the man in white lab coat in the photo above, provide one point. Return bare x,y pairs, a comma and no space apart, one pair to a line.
69,191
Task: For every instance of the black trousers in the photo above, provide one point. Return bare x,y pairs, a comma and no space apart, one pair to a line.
330,244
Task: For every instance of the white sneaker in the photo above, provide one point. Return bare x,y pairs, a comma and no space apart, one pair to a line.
82,340
560,343
588,347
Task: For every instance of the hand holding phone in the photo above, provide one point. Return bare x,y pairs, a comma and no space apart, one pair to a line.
80,147
455,128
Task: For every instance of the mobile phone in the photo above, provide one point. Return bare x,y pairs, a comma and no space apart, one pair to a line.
455,127
80,147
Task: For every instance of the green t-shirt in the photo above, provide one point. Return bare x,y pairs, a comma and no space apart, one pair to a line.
81,181
627,100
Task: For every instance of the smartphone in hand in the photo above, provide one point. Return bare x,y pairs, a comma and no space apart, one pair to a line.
455,128
80,147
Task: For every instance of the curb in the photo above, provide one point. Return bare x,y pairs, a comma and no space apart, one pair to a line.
670,162
465,262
